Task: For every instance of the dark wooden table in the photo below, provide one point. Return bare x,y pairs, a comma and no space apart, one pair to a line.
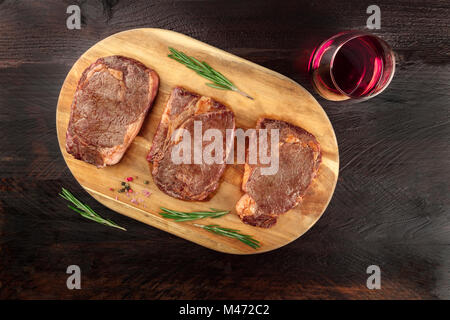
390,208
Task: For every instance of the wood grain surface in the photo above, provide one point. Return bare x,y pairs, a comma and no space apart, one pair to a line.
275,96
390,207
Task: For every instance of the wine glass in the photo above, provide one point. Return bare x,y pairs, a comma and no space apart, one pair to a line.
351,65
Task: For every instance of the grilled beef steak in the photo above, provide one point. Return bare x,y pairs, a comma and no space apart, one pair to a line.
182,180
268,196
112,99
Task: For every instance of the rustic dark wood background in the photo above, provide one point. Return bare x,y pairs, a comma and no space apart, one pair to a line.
390,208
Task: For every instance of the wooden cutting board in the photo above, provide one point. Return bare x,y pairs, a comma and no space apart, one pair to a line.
275,96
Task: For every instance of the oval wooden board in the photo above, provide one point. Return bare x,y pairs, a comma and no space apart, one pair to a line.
275,96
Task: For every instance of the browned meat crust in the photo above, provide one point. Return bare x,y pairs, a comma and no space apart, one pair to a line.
112,99
188,181
268,196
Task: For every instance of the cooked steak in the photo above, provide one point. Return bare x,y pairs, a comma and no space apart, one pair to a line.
268,196
111,101
183,180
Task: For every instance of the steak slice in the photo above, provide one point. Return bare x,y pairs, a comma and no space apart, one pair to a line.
189,181
111,101
268,196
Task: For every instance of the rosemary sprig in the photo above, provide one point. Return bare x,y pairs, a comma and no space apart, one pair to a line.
85,210
187,216
218,80
231,233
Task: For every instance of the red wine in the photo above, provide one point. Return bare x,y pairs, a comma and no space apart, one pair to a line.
351,65
358,66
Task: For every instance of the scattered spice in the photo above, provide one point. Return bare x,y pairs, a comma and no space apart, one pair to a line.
111,189
126,188
146,193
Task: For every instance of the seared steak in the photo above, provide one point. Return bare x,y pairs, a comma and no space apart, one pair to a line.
182,180
112,99
268,196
